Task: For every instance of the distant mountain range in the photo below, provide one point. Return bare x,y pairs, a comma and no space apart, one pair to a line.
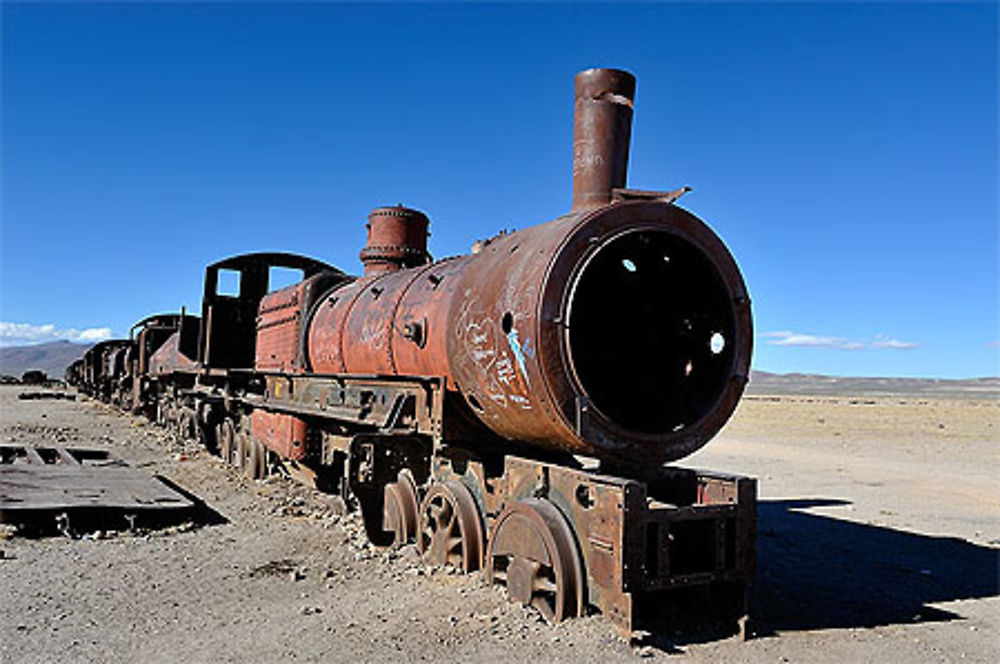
52,358
762,382
55,356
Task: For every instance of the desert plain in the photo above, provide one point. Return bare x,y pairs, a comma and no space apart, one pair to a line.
878,541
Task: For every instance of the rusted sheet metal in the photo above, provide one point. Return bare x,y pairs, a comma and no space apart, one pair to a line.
38,484
326,327
149,336
621,333
102,367
602,125
228,321
621,330
279,329
399,405
151,332
393,324
170,357
639,539
397,238
420,327
366,340
285,434
74,372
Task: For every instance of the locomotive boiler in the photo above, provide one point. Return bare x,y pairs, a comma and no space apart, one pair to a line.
620,330
511,410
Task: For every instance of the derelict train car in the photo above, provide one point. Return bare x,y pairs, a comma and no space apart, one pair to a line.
74,373
162,346
101,369
510,410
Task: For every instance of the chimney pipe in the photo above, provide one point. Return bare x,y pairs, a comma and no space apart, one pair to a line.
602,126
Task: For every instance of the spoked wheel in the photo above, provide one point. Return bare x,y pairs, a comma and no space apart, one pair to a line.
255,461
241,453
451,532
206,431
225,434
186,423
533,552
401,509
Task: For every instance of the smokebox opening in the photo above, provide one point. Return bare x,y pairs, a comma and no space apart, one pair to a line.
651,332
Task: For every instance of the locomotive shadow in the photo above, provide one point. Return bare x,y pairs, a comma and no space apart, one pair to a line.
818,572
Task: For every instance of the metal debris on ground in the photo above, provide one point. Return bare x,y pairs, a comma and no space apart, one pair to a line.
78,490
32,396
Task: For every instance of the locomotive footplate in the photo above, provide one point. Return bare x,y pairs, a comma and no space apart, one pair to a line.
672,551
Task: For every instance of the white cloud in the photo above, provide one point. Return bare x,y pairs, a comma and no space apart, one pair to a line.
26,333
92,334
885,341
879,342
788,338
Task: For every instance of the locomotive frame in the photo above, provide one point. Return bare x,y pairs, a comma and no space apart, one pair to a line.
563,526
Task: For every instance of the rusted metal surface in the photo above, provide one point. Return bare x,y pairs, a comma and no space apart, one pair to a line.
397,238
153,331
592,333
447,400
602,126
149,336
620,331
401,514
678,529
170,357
451,528
533,553
225,436
390,405
641,546
281,319
102,368
228,320
285,434
78,486
394,324
74,373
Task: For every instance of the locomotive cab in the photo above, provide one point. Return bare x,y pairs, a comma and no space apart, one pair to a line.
234,288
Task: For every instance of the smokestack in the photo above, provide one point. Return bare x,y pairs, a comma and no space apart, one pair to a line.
602,126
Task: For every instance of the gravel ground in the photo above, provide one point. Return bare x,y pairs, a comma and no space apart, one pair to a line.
879,540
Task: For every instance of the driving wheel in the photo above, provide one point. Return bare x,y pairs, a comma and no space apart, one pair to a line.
451,531
401,513
534,554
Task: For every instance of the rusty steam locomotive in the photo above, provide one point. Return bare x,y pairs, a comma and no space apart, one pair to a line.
511,410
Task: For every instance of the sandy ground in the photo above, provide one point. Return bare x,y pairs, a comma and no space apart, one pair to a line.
879,541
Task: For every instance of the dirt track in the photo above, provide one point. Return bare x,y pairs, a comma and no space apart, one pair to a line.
879,540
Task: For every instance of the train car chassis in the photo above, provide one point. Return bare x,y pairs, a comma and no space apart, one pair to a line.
672,548
448,401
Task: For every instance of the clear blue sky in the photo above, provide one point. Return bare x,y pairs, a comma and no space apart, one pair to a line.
847,154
